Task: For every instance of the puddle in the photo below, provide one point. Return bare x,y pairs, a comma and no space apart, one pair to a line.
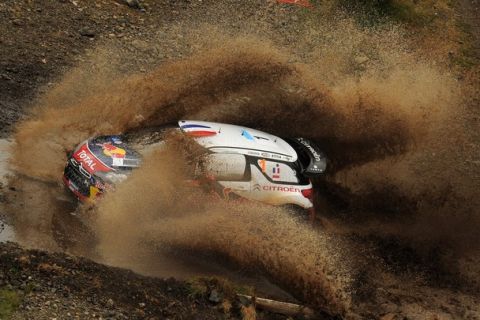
6,231
181,266
4,155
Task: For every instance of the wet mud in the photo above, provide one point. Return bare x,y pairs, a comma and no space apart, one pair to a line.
393,203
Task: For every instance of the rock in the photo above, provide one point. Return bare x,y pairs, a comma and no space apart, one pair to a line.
133,4
17,22
361,59
6,77
11,69
388,316
87,32
214,297
388,308
140,45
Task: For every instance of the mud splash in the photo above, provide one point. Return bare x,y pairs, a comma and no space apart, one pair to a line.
251,235
378,120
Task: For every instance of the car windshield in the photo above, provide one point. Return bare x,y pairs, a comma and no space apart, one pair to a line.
114,152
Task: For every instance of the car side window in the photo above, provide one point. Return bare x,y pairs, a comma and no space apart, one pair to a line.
224,167
278,171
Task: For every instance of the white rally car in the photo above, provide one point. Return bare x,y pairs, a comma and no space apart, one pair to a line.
239,162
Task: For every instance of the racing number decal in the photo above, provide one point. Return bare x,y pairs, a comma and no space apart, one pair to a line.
277,172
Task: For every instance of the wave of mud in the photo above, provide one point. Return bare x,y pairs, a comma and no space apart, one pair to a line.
167,215
378,120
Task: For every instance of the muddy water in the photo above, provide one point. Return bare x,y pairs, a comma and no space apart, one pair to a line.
158,264
6,231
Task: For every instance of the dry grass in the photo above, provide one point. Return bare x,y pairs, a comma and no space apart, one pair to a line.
9,302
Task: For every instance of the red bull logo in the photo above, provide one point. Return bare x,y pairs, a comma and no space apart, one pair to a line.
113,151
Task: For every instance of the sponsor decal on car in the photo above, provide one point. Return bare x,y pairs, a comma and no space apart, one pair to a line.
94,191
314,152
112,151
117,154
257,187
276,172
88,161
280,188
271,168
254,153
247,135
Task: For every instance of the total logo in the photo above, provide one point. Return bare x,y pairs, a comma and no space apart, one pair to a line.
257,187
87,160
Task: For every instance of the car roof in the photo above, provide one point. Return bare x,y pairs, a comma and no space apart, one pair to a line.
228,138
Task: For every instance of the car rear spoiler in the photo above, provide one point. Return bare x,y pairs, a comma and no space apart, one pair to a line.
312,160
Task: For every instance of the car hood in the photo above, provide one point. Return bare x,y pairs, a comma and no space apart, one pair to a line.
105,154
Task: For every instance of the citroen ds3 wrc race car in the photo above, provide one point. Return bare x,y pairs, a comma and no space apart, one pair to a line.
241,162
